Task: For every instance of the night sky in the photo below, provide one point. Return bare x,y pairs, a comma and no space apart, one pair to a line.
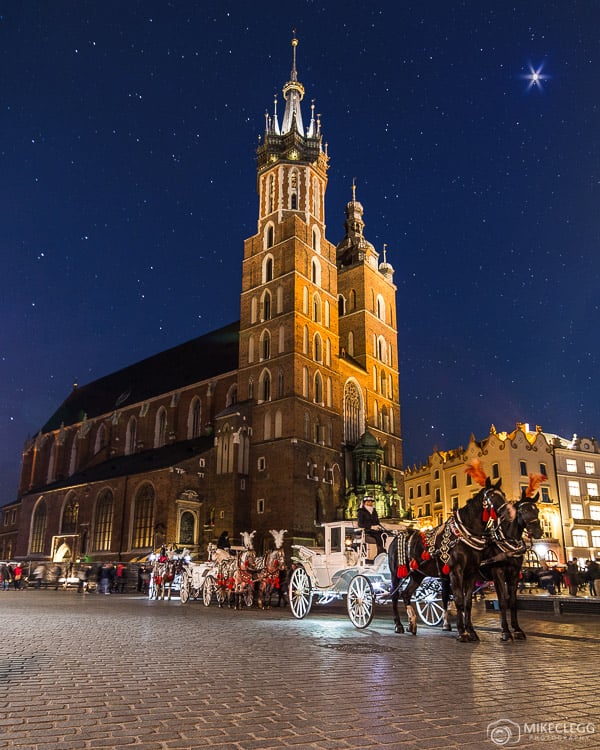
128,184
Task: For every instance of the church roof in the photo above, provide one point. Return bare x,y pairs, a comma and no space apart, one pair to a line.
200,359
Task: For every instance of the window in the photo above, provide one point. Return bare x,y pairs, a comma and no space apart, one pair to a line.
453,482
543,470
271,194
316,309
38,528
131,436
318,389
596,538
438,496
427,509
100,439
160,428
353,412
142,517
495,471
70,516
455,502
592,489
187,528
469,480
266,306
436,474
103,518
589,467
317,348
260,505
194,418
268,269
315,272
571,465
265,386
580,538
523,468
595,512
266,345
576,510
545,495
261,463
574,489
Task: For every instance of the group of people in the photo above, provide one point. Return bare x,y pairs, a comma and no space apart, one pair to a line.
571,578
11,575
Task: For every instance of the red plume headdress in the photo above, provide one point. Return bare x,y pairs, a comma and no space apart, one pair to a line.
534,482
475,470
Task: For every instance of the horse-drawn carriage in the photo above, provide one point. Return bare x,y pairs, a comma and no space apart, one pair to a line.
348,566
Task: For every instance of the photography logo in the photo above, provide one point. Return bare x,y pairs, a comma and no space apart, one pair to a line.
504,732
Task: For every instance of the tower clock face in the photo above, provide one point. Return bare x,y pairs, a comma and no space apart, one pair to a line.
293,154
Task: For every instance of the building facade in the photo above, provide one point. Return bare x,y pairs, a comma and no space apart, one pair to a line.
568,498
282,420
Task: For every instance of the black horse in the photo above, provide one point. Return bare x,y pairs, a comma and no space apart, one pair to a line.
503,558
452,552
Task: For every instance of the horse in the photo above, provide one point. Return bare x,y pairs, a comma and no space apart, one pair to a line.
451,551
244,575
269,568
166,567
503,558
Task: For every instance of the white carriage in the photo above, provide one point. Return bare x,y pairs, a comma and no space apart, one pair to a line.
196,582
348,566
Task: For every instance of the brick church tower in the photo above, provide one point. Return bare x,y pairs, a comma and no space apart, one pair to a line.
318,356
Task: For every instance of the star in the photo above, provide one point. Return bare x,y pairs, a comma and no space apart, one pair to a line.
535,77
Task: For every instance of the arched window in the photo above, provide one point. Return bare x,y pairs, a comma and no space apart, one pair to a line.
194,418
38,527
265,345
316,308
265,386
315,272
281,339
351,343
143,516
341,306
267,269
70,515
232,395
160,428
187,528
131,436
278,423
354,422
580,538
271,194
383,384
103,521
318,388
100,441
380,304
279,299
317,348
225,450
266,305
305,340
294,190
253,310
316,240
250,349
381,349
352,301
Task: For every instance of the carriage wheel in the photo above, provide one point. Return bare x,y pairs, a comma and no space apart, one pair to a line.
360,601
249,595
428,601
184,588
300,594
208,590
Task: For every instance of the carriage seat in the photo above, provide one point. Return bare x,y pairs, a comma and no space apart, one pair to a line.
366,549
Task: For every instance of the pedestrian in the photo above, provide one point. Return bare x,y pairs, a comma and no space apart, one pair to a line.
17,576
38,574
223,541
557,578
572,574
106,578
120,578
592,573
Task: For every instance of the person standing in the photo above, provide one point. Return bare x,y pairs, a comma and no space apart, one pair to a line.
223,541
592,573
572,573
368,520
17,576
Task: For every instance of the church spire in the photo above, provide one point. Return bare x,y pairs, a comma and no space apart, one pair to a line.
293,93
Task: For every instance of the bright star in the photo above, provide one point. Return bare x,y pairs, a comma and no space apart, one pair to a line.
535,77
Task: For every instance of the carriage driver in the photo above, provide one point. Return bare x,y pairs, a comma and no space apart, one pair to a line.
368,519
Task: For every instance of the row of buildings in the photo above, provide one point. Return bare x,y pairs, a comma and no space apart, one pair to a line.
281,420
569,497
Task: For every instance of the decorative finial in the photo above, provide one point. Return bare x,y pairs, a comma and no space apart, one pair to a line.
294,45
353,189
385,252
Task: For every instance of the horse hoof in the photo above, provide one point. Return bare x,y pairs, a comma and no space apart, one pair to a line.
462,638
506,637
473,637
519,635
447,628
399,629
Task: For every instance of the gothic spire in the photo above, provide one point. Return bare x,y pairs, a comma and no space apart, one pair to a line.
293,93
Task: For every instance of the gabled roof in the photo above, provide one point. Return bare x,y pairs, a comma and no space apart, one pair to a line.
200,359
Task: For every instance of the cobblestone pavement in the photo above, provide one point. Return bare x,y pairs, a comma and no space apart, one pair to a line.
91,672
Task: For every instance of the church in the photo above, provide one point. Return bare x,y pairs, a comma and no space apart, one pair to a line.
282,420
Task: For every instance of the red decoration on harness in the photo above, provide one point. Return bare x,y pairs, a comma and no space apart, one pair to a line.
402,571
486,515
425,555
414,564
445,569
493,514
